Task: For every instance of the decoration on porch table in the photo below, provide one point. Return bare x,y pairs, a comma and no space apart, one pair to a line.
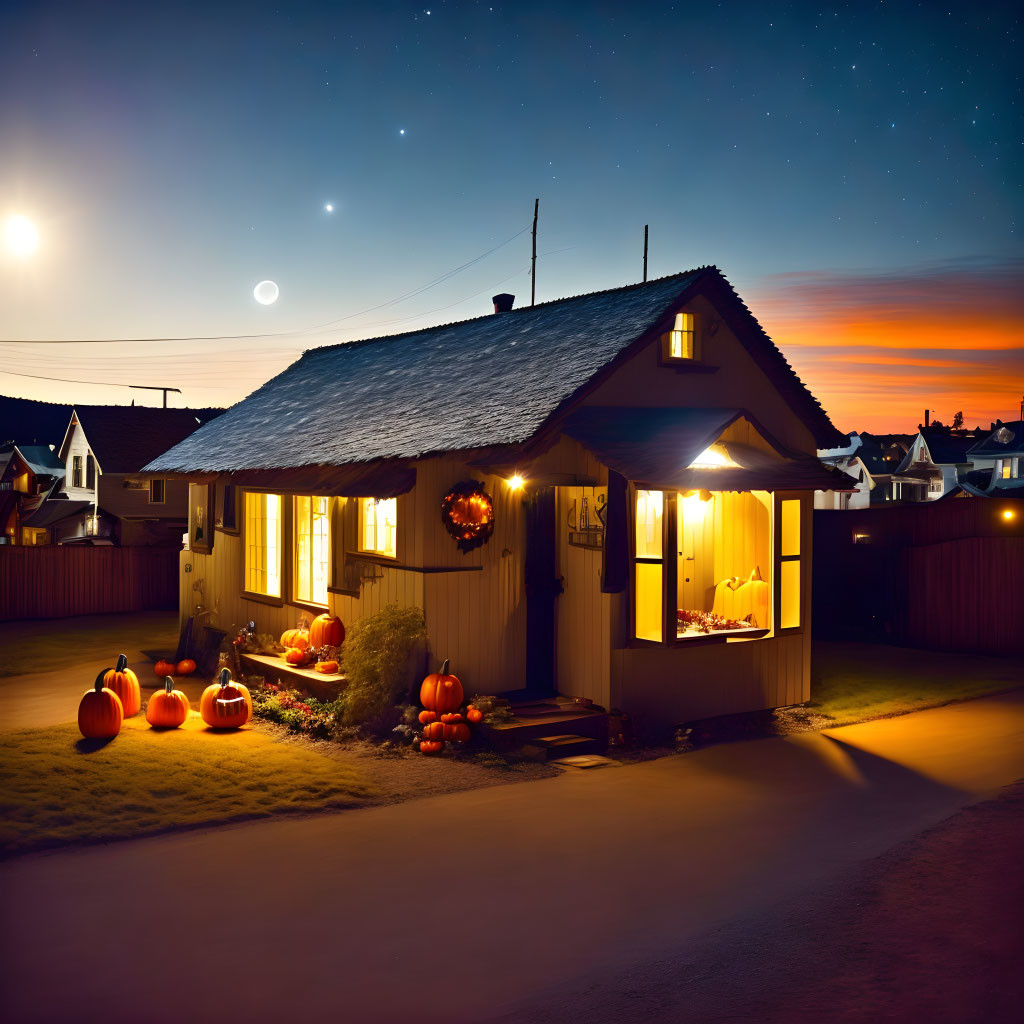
164,668
474,714
225,704
167,708
125,683
185,667
297,656
297,637
326,631
100,712
705,622
467,512
326,667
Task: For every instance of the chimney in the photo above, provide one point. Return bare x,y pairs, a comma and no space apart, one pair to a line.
503,302
926,412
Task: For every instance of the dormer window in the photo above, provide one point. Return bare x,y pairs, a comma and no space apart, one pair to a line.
682,342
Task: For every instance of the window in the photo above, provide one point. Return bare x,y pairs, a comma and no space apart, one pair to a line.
76,471
648,568
156,492
312,549
228,513
789,564
681,342
90,471
1006,471
378,526
263,544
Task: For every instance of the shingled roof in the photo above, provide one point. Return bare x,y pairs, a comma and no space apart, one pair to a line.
495,380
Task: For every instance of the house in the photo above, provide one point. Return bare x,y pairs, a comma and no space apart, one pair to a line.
103,450
607,496
997,462
848,459
931,466
28,474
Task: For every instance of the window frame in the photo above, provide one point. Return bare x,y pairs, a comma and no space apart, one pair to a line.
90,471
293,552
362,551
153,481
76,471
665,342
800,558
277,600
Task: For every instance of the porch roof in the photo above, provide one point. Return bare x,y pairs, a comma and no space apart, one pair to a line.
654,446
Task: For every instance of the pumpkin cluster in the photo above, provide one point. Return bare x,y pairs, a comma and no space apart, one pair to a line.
441,696
303,643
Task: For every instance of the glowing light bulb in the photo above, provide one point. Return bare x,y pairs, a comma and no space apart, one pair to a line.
516,482
1009,514
20,236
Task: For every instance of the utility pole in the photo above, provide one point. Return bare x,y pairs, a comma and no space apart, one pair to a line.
151,387
533,270
646,226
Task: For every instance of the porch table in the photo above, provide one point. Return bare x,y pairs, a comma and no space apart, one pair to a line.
322,685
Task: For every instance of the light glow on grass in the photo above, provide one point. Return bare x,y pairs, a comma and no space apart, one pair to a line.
56,788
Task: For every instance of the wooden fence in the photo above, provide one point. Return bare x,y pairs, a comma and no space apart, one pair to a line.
55,582
945,575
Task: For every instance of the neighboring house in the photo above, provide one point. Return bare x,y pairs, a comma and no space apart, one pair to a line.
103,450
28,474
848,459
931,467
571,493
998,463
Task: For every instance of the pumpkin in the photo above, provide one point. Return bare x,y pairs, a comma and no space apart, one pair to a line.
451,717
296,656
456,731
431,746
434,730
186,667
165,668
100,712
326,631
441,692
474,714
326,667
426,717
167,708
290,637
225,704
125,683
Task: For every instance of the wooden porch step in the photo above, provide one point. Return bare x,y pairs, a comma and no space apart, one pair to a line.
567,744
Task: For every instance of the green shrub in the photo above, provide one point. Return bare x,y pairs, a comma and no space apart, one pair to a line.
376,660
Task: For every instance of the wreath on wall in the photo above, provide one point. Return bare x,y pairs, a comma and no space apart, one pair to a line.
467,512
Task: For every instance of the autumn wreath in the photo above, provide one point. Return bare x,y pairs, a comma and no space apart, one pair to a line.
467,512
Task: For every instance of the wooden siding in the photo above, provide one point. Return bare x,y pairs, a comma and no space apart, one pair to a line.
55,582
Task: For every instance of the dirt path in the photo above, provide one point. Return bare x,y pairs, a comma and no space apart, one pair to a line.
467,906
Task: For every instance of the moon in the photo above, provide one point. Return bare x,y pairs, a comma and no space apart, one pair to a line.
329,207
20,236
266,293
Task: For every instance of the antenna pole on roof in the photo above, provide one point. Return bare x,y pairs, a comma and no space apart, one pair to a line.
151,387
533,262
646,226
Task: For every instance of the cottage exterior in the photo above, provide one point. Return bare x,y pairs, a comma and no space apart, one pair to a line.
640,462
28,474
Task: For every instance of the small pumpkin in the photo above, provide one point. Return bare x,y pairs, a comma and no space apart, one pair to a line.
186,667
125,683
326,667
458,732
225,704
441,692
167,708
290,637
474,715
326,631
434,731
165,668
431,746
100,712
296,656
426,717
452,717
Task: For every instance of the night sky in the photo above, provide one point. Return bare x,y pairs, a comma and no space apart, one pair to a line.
854,170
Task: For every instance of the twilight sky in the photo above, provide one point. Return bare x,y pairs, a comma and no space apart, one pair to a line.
854,170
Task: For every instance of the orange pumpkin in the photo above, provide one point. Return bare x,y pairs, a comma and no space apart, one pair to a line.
474,714
426,717
452,717
100,713
186,667
441,692
225,704
431,746
326,631
434,731
456,731
296,656
125,683
167,708
326,667
165,668
290,637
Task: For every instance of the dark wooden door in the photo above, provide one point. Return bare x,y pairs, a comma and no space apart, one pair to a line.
543,585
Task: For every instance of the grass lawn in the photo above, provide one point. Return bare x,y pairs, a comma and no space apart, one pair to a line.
56,788
854,682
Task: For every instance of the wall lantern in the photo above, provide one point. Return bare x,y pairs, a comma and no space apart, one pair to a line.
1009,514
515,482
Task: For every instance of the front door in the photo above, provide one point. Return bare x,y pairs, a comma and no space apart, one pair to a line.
543,586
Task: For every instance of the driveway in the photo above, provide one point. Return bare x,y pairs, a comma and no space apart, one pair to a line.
470,906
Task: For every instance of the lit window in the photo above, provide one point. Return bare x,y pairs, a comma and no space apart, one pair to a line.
648,565
312,547
1006,471
378,526
681,341
789,564
263,544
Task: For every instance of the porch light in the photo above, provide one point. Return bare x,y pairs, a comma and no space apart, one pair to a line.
694,504
714,457
1009,514
515,482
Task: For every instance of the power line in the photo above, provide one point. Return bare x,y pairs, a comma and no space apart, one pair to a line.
109,384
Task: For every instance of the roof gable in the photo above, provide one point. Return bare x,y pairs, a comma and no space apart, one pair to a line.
1006,439
493,381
